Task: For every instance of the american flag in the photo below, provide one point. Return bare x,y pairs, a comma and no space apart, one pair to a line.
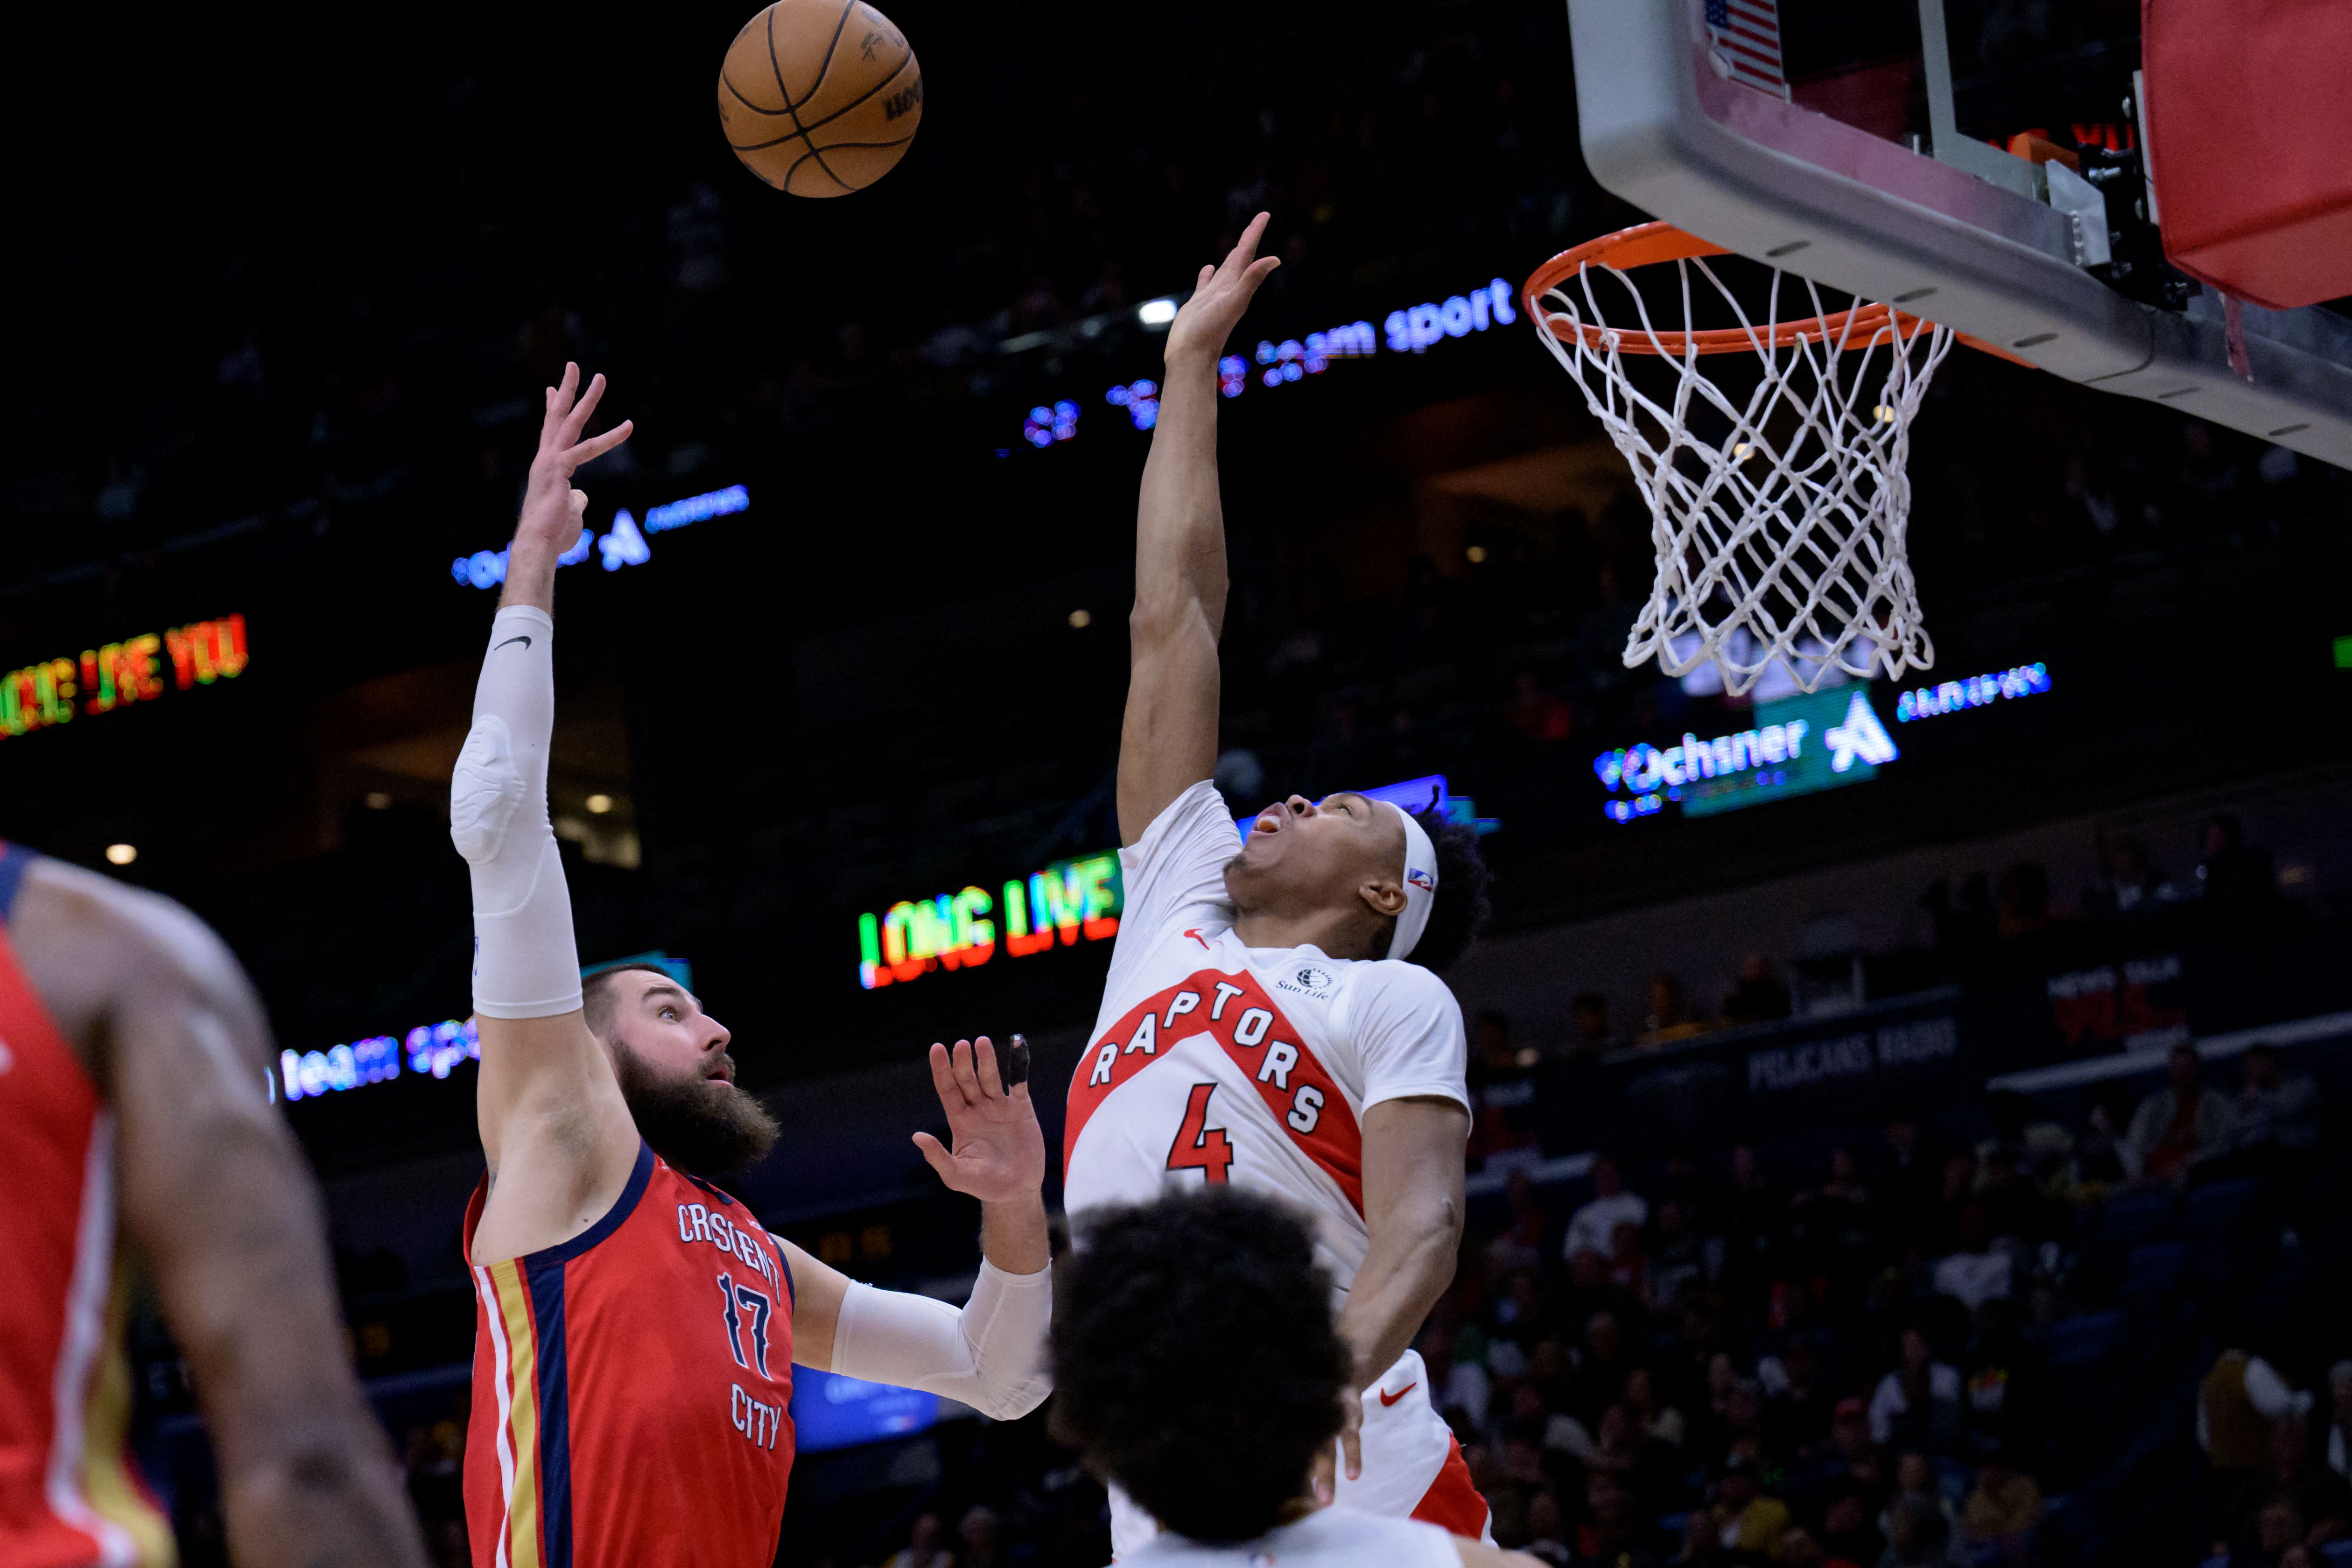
1747,35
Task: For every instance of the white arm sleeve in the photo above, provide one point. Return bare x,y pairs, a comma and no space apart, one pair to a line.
991,1355
526,962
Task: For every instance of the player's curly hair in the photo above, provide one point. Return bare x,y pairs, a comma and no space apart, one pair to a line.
1195,1358
1460,907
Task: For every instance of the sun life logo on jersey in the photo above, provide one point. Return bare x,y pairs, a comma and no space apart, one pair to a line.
1859,738
1306,977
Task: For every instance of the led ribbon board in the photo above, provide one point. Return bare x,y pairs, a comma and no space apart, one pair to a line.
1414,330
623,545
1069,901
1800,745
433,1049
120,674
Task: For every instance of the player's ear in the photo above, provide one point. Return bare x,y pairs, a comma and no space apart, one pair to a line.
1384,896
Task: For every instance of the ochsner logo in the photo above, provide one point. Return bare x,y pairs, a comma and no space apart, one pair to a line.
1860,738
1646,767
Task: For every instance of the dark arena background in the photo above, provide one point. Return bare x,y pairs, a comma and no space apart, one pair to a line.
1889,1057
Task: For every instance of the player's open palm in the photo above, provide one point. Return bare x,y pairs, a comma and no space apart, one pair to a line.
999,1151
551,509
1220,296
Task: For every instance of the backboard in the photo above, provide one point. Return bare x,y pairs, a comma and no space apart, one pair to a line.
1856,144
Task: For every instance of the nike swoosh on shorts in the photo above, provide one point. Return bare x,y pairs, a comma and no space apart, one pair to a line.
1387,1398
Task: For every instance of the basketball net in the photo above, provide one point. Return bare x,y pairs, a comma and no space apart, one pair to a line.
1780,539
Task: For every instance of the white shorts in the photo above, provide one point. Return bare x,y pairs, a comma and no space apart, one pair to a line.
1412,1468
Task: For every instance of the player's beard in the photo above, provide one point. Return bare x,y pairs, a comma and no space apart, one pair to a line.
709,1131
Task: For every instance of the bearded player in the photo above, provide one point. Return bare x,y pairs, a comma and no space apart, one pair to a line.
636,1328
1273,1020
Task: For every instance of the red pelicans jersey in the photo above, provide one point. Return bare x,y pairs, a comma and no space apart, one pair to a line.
632,1388
1215,1061
70,1494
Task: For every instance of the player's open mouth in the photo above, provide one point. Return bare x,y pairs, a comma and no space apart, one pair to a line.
1269,820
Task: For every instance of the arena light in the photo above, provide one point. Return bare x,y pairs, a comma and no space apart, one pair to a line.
599,804
122,854
1157,313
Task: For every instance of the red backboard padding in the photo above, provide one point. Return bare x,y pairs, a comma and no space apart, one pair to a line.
2249,119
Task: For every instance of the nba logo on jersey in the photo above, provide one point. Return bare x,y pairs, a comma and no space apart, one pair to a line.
1421,879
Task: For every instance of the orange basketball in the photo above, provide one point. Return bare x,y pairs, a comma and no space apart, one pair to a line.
820,98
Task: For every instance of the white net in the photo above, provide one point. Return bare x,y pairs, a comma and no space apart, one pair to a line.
1779,508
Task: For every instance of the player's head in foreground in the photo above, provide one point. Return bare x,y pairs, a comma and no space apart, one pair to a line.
672,1062
1195,1359
1405,886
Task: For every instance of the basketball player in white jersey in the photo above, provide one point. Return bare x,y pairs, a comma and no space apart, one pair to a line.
1262,1026
1197,1368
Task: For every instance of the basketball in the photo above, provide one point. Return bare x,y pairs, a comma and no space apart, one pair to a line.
820,98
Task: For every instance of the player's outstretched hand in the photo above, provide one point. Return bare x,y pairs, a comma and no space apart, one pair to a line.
1220,296
551,509
1000,1151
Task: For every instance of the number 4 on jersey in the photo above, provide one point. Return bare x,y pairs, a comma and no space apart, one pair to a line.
1198,1146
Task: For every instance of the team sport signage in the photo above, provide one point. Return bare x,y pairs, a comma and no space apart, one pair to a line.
1797,745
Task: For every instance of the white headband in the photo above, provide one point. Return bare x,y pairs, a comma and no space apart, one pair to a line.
1419,884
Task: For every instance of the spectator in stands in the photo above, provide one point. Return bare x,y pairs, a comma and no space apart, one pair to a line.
1594,1039
1919,1403
1848,1532
2279,1112
1919,1535
2320,1498
2009,1392
2177,1125
1519,1244
979,1530
1742,1516
1798,1402
1658,1422
2339,1423
2003,1509
2242,1399
1667,1020
1758,996
1614,1534
923,1548
1978,1269
1594,1224
1547,1531
1502,1086
1679,1263
2234,880
1914,1476
2129,887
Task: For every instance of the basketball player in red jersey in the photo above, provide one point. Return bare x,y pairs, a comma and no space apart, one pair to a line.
1261,1024
134,1119
637,1327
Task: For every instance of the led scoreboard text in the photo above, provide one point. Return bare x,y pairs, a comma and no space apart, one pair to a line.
1069,901
120,674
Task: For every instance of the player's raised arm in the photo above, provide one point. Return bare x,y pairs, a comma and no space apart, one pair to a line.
557,1132
1169,739
990,1355
215,1196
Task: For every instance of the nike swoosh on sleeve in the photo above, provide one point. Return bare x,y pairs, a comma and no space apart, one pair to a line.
524,640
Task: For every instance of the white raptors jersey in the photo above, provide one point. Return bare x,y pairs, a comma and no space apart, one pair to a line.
1329,1538
1216,1062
